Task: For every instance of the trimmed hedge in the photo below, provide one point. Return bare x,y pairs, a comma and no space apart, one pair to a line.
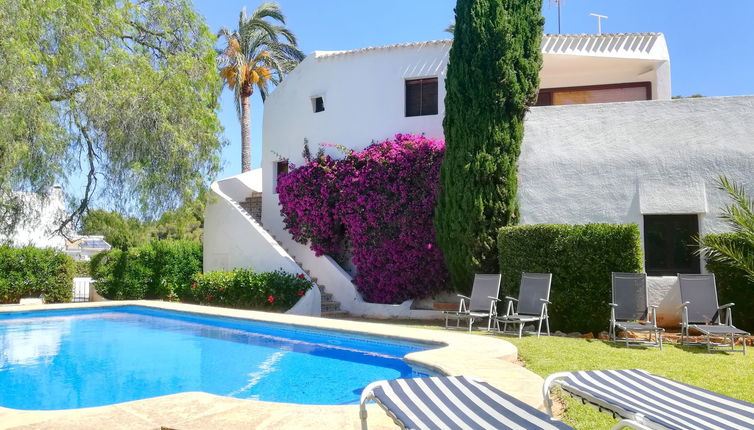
155,270
734,287
31,272
243,288
580,258
82,268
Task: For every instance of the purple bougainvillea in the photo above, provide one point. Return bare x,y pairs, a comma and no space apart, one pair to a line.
380,201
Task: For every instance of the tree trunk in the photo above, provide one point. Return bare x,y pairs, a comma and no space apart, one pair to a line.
245,134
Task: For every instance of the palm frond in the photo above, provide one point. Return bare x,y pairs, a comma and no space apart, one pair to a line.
269,10
734,251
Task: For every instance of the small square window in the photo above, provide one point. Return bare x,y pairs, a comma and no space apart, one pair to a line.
670,245
318,104
421,97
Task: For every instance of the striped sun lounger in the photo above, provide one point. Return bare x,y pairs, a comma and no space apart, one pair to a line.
452,402
647,401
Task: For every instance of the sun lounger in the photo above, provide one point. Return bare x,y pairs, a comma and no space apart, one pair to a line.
530,306
452,402
630,311
700,312
647,401
481,303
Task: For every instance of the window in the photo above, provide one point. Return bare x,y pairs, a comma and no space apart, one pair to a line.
421,97
318,104
281,168
669,244
595,94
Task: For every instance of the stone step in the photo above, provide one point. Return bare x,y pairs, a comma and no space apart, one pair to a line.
326,297
330,306
334,314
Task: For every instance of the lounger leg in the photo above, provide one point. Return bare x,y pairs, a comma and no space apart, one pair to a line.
446,320
659,338
471,322
547,324
363,415
539,328
744,344
520,329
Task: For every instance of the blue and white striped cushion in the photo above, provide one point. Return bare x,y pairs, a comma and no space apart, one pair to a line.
457,403
662,401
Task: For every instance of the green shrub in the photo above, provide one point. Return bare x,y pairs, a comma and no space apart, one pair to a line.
733,286
580,258
243,288
81,269
151,271
31,272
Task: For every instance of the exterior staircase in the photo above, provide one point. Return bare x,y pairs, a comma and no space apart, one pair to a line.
330,307
253,206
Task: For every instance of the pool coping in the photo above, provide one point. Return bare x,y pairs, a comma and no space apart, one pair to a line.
485,357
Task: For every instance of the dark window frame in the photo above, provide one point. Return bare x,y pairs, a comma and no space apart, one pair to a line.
318,104
663,262
424,108
548,92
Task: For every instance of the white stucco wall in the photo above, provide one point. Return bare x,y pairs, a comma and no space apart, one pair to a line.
616,162
233,239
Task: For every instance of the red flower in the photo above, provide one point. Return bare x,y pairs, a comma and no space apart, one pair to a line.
222,288
209,298
271,299
301,276
300,293
193,285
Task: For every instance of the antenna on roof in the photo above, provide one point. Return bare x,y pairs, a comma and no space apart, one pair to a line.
599,21
558,3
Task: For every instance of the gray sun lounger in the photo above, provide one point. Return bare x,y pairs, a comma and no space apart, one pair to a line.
630,310
452,402
646,401
530,306
701,312
481,303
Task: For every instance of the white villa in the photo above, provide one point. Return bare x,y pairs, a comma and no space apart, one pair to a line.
605,143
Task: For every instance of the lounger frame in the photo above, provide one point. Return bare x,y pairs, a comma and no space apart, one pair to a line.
710,326
522,317
623,320
469,308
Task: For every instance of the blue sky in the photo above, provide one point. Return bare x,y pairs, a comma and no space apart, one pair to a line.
711,43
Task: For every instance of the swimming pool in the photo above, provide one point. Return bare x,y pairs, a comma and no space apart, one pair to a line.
76,358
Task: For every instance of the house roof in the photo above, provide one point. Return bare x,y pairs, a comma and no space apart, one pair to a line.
609,44
601,44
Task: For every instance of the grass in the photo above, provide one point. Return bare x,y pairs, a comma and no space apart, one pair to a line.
729,374
725,373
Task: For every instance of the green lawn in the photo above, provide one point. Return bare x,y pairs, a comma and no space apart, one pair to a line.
729,374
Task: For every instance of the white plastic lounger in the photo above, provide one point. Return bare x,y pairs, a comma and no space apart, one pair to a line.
647,401
452,402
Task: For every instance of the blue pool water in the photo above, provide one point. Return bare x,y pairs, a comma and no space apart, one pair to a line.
80,358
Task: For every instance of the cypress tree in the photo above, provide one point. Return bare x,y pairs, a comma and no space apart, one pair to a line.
493,75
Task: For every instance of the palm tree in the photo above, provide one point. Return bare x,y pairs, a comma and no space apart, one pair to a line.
259,53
